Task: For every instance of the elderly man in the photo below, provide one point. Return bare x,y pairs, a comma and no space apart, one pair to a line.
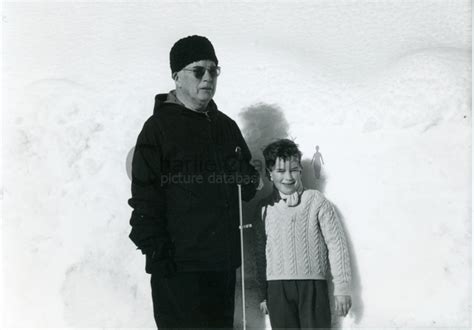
188,160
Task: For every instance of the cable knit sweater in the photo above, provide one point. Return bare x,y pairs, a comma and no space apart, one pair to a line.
301,242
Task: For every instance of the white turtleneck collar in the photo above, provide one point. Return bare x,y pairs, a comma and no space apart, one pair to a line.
294,198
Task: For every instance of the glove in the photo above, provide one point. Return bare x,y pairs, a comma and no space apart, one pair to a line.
160,261
164,268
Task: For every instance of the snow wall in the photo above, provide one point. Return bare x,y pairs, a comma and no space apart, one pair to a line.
382,87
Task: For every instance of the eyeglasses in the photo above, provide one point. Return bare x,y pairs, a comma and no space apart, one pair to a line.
200,71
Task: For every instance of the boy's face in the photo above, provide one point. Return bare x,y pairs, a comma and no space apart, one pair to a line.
286,175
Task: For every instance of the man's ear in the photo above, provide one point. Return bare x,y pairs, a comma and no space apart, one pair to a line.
175,77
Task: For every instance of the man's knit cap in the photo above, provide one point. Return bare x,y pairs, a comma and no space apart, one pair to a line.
191,49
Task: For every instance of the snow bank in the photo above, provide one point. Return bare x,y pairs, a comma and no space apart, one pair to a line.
384,89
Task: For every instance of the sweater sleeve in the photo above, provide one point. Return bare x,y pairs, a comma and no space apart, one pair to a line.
338,251
148,221
260,259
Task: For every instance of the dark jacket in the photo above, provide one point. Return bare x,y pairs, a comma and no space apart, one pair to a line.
184,194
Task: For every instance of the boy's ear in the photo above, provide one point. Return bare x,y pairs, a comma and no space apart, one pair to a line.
268,174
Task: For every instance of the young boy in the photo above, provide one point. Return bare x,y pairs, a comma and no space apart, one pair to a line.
298,237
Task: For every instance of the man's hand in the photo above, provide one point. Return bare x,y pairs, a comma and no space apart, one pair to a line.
263,307
343,304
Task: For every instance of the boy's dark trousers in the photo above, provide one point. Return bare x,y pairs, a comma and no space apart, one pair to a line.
294,304
194,300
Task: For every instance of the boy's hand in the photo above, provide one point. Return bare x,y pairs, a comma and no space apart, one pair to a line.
343,304
263,307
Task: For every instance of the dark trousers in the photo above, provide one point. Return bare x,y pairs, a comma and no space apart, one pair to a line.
296,304
194,300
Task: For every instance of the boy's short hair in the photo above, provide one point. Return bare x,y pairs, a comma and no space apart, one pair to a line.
284,149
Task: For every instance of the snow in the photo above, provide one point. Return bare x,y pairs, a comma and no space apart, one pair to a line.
384,88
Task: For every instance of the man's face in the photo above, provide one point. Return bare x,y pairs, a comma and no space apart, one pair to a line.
286,175
196,89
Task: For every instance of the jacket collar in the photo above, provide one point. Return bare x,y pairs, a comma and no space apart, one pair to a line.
161,100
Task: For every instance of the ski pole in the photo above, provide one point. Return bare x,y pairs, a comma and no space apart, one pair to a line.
242,258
